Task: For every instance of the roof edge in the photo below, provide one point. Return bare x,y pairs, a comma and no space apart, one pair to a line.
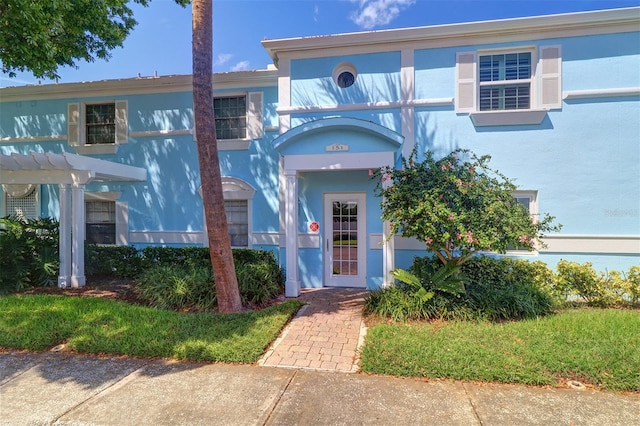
138,85
535,24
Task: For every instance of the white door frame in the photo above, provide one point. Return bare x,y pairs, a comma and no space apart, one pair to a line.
289,168
330,278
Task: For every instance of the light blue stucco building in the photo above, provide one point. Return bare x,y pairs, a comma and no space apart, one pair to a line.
555,100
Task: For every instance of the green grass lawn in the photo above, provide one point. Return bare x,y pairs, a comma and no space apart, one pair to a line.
93,325
594,346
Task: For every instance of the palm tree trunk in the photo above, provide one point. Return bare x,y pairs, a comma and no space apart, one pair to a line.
224,273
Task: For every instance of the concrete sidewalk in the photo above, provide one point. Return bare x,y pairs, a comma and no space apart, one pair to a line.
65,389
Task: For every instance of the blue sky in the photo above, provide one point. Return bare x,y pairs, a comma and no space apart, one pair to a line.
162,40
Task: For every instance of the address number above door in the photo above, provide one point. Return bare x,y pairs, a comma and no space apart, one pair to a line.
336,147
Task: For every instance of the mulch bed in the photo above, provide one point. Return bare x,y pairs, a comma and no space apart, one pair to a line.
107,288
121,290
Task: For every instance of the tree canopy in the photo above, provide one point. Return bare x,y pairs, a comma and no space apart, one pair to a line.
40,36
458,206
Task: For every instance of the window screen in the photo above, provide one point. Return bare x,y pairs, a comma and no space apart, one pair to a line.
238,222
101,222
231,117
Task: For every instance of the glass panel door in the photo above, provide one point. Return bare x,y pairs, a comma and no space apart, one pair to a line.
344,244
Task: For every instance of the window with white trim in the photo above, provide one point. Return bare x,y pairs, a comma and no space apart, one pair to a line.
508,86
237,222
100,219
238,199
238,118
529,200
231,117
505,81
106,218
344,75
97,127
100,123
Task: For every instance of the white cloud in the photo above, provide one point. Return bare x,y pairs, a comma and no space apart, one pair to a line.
223,58
373,13
240,66
316,12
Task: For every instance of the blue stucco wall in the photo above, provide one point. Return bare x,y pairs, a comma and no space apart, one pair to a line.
378,80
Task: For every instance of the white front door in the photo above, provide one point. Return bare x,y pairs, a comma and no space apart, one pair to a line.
345,240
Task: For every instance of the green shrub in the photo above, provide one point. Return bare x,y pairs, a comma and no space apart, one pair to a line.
181,278
185,256
259,282
584,282
112,261
632,284
28,253
494,289
177,287
507,288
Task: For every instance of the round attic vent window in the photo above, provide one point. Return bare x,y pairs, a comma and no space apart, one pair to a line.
345,75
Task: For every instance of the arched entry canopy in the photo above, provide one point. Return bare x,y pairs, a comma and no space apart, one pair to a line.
338,143
71,172
324,145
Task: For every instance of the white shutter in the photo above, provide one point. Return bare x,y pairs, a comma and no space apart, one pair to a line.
254,115
122,125
73,124
550,77
466,82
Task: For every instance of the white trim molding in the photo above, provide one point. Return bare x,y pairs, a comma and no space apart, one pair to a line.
376,242
618,244
342,161
601,93
611,244
33,139
167,237
507,117
267,239
160,133
285,111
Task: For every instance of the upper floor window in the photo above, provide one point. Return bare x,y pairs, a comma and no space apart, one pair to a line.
97,127
231,117
238,120
100,123
344,75
505,81
508,86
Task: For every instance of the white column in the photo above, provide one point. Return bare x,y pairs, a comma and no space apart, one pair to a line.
388,249
407,84
77,238
284,93
292,283
64,278
388,255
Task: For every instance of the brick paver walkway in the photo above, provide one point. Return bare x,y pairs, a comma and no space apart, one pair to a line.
325,335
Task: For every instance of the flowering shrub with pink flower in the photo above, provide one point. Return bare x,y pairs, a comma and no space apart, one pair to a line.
458,206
